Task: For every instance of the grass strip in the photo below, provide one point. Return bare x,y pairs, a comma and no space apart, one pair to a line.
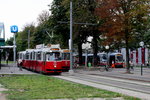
29,87
9,62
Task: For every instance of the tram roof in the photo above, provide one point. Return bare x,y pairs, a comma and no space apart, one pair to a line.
115,53
3,47
65,50
22,52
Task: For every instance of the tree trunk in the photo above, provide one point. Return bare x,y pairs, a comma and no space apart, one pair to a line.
127,53
95,49
80,53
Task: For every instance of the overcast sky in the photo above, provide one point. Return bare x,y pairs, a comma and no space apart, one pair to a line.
20,12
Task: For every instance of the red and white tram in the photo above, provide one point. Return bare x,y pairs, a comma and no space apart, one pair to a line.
21,58
65,57
116,59
45,60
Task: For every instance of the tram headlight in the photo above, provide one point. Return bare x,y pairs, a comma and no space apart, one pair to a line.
55,66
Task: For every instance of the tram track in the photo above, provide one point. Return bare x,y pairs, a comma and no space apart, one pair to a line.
123,86
122,75
119,83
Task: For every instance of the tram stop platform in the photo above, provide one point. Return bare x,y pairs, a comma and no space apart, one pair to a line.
13,69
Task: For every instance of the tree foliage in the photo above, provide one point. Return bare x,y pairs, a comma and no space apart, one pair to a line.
119,23
58,16
123,21
22,37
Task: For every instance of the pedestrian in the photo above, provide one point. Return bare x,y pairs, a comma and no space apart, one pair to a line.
7,58
113,64
131,65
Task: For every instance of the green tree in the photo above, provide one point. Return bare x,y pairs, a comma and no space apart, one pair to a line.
22,37
83,12
10,41
60,30
147,34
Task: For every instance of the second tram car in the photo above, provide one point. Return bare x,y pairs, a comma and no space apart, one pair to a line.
65,57
116,59
104,59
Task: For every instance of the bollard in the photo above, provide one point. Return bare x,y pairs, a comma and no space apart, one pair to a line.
89,64
141,70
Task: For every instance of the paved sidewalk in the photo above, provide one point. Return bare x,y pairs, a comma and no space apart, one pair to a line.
10,69
2,96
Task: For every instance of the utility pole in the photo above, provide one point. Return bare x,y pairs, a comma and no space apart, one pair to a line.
28,39
14,49
71,41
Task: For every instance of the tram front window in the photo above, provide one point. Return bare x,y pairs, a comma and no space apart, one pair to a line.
54,56
119,58
104,57
57,56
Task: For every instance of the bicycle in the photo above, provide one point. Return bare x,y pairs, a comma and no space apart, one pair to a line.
106,67
75,65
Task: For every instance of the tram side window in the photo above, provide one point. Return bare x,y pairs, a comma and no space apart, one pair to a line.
33,55
27,56
20,55
66,56
24,56
39,56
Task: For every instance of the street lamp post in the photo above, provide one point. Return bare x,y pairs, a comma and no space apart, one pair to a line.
107,47
142,45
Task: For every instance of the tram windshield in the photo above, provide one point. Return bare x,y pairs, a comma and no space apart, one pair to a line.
53,56
119,57
104,57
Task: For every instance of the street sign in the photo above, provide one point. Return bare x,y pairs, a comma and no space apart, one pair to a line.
14,29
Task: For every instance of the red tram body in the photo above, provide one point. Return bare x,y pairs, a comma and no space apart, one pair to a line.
45,60
65,54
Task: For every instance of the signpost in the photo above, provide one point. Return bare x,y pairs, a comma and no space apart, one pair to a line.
142,45
14,29
2,34
2,38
